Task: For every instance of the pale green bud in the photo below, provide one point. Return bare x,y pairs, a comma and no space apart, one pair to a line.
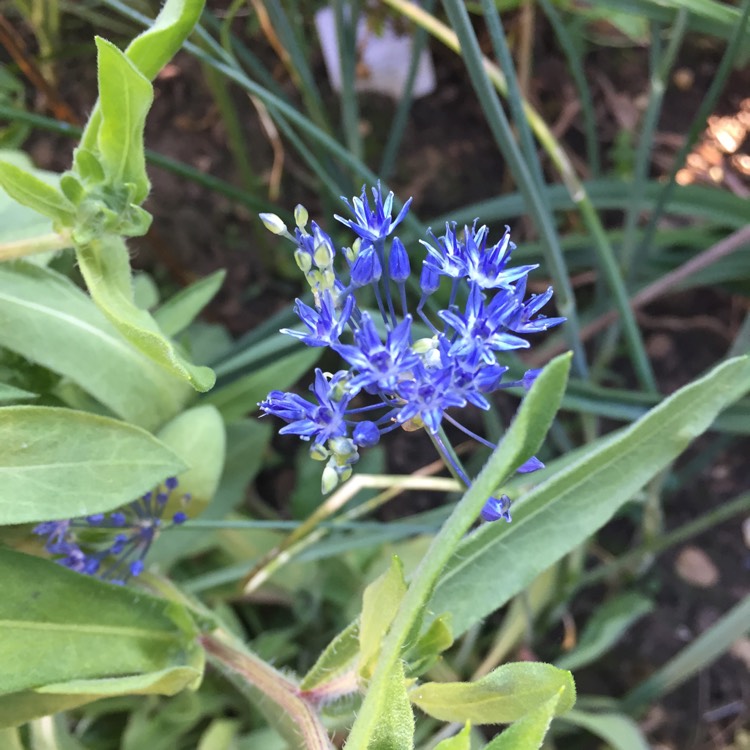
319,452
303,260
274,224
329,480
323,255
345,473
300,216
349,254
342,447
422,346
328,278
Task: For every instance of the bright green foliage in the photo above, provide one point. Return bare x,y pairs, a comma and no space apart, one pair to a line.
74,639
460,741
125,97
380,603
105,266
430,644
395,728
178,312
30,191
58,463
561,513
338,657
529,731
505,695
47,319
198,437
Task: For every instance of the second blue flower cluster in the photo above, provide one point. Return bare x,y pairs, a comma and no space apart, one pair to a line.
404,369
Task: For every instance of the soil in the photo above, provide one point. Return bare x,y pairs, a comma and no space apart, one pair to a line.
448,159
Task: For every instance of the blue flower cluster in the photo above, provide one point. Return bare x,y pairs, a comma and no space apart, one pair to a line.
87,545
415,368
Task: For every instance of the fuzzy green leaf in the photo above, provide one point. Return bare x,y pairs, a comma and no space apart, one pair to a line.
178,312
125,97
30,191
379,606
47,319
559,514
501,697
105,266
72,635
60,463
528,732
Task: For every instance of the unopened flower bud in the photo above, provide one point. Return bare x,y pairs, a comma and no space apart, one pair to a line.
303,260
323,254
329,480
398,262
274,224
300,216
319,452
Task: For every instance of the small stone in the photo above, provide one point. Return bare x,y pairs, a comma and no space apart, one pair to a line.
695,567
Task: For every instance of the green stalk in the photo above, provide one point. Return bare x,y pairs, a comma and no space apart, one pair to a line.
575,64
245,670
401,116
573,185
502,461
346,37
657,545
503,133
661,68
236,138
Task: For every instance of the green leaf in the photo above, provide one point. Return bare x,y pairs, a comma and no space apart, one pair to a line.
430,644
379,606
9,393
246,445
701,652
619,731
503,696
125,97
18,222
522,440
105,266
338,657
47,319
395,727
178,312
10,739
460,741
198,437
75,636
607,625
528,732
241,396
151,50
59,463
35,193
563,511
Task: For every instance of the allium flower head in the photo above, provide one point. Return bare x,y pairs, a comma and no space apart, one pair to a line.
397,376
112,546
